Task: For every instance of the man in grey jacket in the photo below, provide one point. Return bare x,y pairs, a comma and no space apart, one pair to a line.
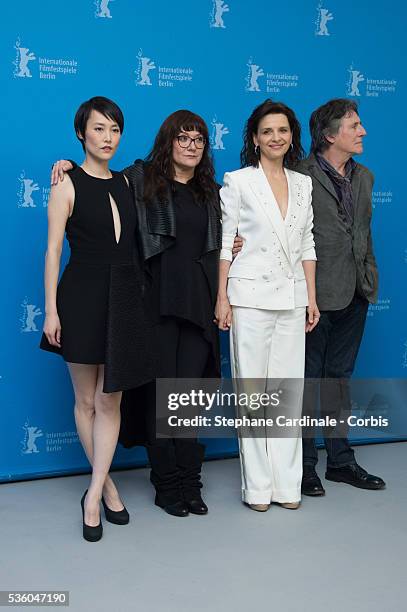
346,281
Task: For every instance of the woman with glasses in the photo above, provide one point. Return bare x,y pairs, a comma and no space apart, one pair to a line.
179,234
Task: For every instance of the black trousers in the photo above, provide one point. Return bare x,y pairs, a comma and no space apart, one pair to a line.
331,351
176,462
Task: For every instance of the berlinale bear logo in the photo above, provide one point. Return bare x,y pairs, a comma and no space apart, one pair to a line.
23,57
102,9
219,8
29,443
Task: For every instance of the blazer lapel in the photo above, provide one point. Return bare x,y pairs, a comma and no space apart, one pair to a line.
320,176
265,196
295,201
355,182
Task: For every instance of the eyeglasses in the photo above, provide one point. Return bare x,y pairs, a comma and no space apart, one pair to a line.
185,141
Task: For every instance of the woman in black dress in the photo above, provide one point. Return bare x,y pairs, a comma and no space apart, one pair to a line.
179,235
95,317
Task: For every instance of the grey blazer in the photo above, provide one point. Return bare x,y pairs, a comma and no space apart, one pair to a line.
345,254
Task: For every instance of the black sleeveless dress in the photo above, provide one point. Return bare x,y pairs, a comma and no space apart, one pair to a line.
99,296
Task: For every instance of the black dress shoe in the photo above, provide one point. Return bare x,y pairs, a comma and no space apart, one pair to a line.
178,508
356,476
311,484
91,534
118,517
196,506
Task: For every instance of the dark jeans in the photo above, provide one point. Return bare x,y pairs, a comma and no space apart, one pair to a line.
176,462
331,351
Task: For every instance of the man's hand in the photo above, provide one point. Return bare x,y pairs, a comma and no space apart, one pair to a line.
59,169
237,246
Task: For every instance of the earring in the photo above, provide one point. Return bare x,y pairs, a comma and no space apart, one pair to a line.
291,146
256,150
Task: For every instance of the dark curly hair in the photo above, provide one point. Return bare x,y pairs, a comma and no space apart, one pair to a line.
248,155
159,165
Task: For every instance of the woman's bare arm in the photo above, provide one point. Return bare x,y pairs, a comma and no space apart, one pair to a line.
60,207
223,310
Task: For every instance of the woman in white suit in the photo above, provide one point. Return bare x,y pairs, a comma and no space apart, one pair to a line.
264,293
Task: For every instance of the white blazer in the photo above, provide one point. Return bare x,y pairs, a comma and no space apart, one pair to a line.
268,272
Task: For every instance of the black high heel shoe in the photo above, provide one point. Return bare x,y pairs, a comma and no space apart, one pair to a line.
91,534
118,517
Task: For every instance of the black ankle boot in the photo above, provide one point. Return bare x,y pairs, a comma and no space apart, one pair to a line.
165,477
196,505
190,455
177,508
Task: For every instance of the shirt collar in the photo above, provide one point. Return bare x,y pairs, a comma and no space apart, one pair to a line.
325,165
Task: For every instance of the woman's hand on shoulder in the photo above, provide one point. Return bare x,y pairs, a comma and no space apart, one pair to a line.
52,329
223,313
313,316
59,168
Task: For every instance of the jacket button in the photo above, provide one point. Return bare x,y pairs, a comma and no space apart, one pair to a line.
264,249
265,277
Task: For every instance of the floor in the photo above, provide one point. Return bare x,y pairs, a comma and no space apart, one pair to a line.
344,551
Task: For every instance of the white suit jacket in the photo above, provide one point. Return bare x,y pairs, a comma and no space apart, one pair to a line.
268,272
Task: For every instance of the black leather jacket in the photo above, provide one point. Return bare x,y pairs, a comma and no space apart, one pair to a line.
157,227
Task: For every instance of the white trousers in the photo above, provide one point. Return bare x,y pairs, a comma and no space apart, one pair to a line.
269,344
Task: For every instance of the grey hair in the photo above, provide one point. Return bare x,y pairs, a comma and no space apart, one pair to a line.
326,121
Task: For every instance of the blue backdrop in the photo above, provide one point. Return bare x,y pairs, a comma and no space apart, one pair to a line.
219,59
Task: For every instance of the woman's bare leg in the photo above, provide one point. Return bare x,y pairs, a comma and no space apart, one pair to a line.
106,426
85,382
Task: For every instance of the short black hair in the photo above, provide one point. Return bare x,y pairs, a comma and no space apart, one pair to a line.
326,121
106,107
248,155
